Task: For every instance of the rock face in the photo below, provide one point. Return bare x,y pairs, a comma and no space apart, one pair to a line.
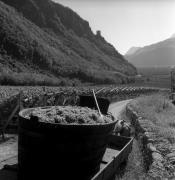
158,54
57,41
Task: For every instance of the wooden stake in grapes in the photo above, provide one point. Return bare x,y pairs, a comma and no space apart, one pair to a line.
101,116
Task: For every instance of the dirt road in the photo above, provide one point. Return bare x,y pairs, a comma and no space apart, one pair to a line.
117,107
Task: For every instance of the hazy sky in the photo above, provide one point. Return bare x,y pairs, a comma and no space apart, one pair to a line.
127,23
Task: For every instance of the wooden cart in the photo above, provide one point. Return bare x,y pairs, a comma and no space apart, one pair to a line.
117,152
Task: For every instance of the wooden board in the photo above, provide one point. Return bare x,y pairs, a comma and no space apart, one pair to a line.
109,155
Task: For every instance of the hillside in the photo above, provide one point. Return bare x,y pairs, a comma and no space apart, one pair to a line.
159,54
132,50
46,40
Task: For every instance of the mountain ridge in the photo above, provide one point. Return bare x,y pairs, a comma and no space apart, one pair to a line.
54,40
158,54
132,50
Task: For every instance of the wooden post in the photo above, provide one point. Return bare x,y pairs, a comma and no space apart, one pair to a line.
10,117
17,108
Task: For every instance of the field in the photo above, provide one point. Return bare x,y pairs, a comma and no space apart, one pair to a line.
155,76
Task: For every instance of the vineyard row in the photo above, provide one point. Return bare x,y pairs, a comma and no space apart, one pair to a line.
27,97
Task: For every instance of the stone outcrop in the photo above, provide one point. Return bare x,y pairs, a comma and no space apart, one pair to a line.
158,152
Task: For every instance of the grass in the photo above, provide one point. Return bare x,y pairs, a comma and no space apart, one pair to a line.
160,111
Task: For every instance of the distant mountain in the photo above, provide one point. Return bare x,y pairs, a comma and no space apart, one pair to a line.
132,50
159,54
173,36
46,38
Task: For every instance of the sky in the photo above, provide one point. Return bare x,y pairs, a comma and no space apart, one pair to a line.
127,23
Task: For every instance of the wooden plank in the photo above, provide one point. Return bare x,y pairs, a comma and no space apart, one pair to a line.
117,157
11,116
3,128
109,155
